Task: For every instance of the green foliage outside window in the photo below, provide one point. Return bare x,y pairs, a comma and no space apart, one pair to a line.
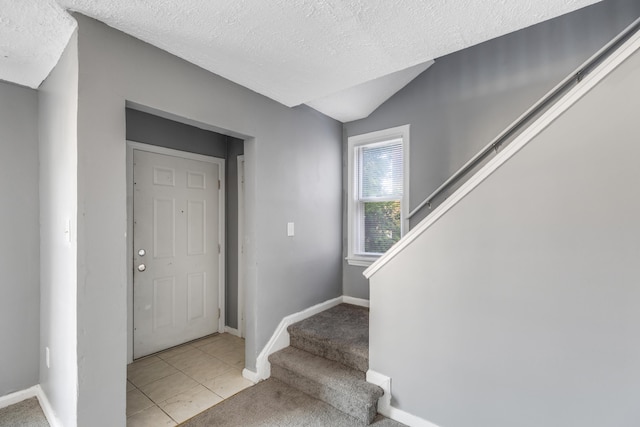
381,225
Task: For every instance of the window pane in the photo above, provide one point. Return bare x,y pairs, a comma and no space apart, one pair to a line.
381,171
381,226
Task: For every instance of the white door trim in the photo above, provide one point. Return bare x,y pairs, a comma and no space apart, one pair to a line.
241,314
131,145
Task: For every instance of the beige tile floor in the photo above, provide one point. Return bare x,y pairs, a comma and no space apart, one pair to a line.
170,387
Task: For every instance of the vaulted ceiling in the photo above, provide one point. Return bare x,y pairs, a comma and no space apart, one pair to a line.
342,57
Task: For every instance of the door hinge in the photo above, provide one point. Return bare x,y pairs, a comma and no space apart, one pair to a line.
219,249
219,313
218,184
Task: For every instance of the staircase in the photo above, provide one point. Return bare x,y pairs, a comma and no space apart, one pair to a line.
328,359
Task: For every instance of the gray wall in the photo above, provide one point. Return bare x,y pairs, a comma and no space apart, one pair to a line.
155,130
20,239
293,174
519,307
59,330
465,99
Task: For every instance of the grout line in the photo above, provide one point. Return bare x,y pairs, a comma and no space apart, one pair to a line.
232,367
145,395
166,413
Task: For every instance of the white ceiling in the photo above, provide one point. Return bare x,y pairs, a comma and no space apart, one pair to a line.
319,52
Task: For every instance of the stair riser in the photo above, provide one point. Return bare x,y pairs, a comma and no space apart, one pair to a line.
323,350
362,411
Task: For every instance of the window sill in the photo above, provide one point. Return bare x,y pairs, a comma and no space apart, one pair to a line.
361,261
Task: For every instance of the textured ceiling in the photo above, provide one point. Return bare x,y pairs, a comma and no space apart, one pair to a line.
33,34
293,51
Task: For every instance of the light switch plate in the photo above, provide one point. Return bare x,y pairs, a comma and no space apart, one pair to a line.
290,229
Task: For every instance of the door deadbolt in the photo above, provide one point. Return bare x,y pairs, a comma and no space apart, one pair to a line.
142,267
142,252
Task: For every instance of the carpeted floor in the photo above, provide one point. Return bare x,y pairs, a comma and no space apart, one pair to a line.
273,403
23,414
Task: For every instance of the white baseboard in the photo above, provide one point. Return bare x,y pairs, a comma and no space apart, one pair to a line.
280,338
250,375
384,382
232,331
47,409
384,403
406,418
18,396
355,301
35,391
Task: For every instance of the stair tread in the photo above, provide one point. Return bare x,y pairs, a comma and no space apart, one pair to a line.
327,372
343,329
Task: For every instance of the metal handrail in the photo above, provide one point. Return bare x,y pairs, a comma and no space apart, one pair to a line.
547,100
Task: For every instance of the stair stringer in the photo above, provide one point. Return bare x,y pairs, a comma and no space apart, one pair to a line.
547,119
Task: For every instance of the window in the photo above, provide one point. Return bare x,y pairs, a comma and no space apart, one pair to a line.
378,193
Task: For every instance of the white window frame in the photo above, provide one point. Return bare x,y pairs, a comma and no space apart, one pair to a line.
354,232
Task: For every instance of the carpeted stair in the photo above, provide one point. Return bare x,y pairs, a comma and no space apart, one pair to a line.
27,413
328,359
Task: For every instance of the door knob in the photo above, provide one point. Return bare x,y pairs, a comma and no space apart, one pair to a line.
142,267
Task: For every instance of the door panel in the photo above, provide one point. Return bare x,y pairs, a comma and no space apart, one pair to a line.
176,223
197,296
164,298
196,227
164,228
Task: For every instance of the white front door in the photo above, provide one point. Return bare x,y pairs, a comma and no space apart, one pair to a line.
176,252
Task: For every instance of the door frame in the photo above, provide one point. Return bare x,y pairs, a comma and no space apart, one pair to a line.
134,145
241,311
